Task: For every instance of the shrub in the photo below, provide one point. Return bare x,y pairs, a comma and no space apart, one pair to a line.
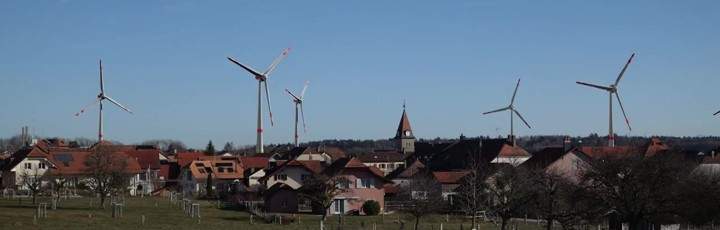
371,207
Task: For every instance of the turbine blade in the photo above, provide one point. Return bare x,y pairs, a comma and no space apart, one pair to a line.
521,118
594,86
302,93
96,101
118,104
267,97
622,72
716,113
276,62
252,71
102,84
497,110
515,92
627,121
302,114
291,94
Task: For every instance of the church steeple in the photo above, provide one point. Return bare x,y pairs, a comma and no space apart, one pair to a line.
404,136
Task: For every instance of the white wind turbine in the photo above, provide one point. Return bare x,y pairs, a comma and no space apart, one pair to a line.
298,100
513,112
100,98
612,89
262,80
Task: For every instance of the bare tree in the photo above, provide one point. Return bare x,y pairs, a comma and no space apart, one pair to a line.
471,194
107,172
509,192
558,199
58,184
32,181
321,191
698,206
637,189
421,196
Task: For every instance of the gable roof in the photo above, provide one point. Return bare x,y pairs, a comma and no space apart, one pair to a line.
73,162
408,171
184,158
254,162
146,157
315,167
449,177
549,155
338,167
459,154
382,156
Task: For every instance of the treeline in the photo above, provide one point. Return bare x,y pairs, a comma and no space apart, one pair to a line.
530,143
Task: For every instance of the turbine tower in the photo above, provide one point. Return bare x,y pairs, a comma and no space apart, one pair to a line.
262,80
298,106
612,89
99,101
513,112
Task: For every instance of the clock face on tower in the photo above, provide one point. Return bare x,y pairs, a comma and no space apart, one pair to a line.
407,132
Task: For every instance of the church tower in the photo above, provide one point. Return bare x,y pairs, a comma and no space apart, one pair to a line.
404,138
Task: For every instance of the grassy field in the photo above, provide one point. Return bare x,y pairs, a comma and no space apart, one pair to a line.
160,214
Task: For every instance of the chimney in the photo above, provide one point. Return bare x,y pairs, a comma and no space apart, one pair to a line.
567,144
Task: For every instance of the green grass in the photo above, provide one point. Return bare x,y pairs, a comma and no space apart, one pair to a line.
160,214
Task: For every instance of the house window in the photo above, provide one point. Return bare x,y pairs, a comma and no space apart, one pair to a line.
28,165
382,166
367,183
304,177
419,195
281,177
41,165
143,176
343,184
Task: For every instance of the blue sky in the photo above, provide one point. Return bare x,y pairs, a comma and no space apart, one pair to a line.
451,61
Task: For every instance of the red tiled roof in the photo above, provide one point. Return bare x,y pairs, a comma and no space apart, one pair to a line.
220,169
74,162
146,157
340,165
254,162
404,125
606,151
184,158
452,177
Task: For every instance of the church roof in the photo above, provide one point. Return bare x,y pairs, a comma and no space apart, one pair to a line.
404,125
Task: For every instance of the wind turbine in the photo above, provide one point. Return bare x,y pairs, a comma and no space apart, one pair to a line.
99,100
513,112
298,106
262,80
612,89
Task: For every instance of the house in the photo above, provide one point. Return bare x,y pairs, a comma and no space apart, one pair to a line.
402,175
148,157
254,169
226,176
323,153
364,183
55,157
385,160
653,147
461,154
566,162
292,173
449,181
283,183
